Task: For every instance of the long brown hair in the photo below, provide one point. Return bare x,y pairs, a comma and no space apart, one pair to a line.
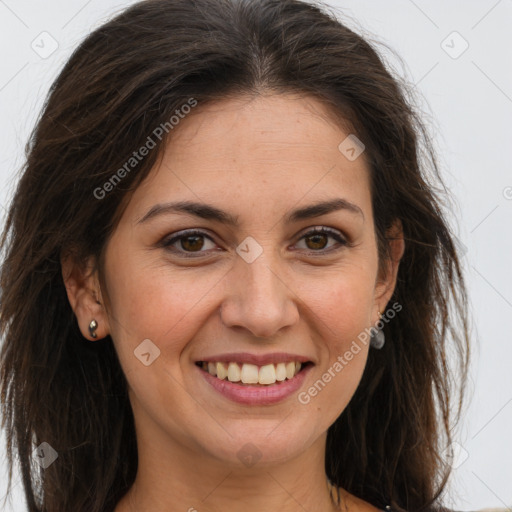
127,78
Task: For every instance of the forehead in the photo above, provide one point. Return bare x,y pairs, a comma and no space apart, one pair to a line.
265,149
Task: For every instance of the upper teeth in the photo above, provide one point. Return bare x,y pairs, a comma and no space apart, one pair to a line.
251,373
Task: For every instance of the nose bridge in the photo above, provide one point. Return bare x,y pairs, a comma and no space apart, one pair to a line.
258,297
263,284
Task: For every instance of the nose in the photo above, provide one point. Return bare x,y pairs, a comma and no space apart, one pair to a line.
259,299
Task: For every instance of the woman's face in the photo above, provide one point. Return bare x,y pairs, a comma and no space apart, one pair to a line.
261,289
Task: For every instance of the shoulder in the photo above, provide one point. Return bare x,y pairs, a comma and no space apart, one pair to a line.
352,503
498,509
440,508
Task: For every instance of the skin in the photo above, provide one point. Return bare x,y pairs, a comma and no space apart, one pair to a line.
257,158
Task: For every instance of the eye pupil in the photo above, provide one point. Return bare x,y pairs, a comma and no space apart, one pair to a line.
193,246
316,237
192,243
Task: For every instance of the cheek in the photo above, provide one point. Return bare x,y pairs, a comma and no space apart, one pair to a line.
343,305
343,313
153,302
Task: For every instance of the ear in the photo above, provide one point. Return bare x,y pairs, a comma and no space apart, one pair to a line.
386,283
84,295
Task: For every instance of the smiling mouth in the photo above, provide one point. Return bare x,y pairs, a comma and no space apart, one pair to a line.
251,374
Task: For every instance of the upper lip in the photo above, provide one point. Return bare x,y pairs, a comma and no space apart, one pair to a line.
257,359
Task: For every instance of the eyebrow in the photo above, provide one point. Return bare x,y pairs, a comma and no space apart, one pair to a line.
210,212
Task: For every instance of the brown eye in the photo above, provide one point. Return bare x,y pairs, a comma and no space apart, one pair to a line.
190,242
317,239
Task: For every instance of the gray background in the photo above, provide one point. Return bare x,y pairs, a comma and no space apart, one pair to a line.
467,100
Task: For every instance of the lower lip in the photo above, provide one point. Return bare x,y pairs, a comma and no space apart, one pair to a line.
256,395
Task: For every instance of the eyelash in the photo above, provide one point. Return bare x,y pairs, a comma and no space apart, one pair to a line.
194,232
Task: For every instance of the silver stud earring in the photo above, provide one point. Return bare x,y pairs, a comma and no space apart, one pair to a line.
377,338
92,329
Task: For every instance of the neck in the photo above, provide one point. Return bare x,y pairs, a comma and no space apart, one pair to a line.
172,476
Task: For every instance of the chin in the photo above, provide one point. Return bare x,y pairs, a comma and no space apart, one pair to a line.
259,442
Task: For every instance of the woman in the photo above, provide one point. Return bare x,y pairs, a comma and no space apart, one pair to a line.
228,280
